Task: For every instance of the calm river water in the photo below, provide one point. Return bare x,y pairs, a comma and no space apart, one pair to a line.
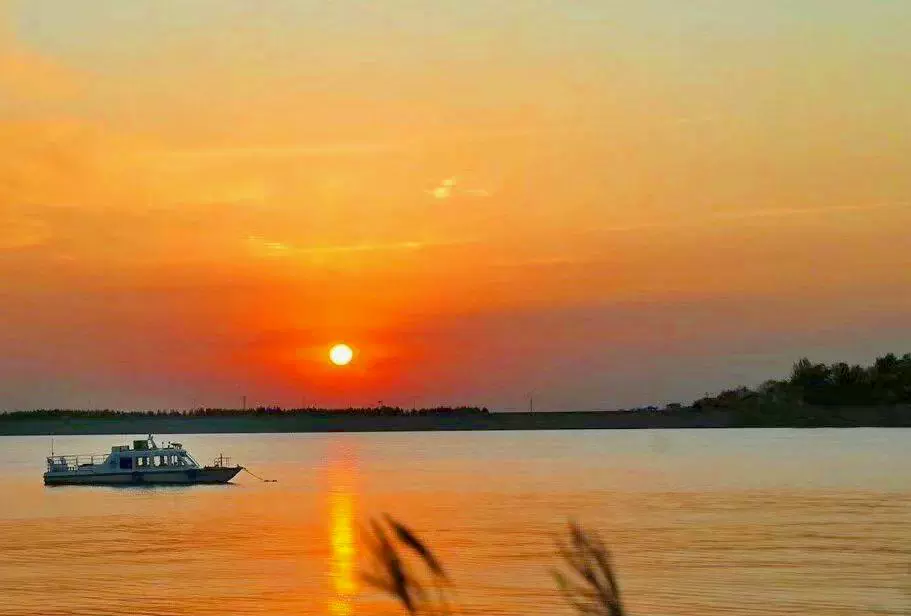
710,522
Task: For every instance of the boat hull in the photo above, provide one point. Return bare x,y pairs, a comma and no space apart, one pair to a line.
206,475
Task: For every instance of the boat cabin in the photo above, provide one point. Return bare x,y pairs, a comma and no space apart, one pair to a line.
145,454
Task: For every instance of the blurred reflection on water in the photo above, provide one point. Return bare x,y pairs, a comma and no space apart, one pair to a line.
343,565
712,522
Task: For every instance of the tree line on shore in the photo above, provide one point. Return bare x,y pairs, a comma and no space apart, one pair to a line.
817,392
812,393
259,411
886,382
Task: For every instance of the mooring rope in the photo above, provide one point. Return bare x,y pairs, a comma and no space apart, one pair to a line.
249,472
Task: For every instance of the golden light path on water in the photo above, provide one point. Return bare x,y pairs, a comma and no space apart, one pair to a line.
343,559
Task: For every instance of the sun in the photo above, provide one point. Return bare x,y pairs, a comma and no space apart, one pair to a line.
341,355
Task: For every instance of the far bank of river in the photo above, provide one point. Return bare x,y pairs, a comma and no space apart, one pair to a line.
341,422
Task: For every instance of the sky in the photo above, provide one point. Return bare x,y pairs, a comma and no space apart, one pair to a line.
594,203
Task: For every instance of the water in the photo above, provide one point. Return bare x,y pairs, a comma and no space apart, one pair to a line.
712,522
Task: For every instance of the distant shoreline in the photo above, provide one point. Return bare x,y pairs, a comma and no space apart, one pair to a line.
815,395
844,417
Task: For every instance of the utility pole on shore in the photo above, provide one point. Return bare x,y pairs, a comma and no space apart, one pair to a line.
531,404
245,403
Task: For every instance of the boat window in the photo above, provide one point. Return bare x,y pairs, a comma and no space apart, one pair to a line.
126,463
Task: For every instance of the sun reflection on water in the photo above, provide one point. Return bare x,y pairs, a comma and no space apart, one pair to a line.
342,539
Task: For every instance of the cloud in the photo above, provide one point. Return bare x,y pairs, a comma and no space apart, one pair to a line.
448,188
735,216
264,248
59,161
808,211
25,74
286,151
21,231
440,192
550,261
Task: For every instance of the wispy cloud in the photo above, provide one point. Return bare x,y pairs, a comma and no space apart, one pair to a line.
735,216
444,190
261,247
21,232
449,188
25,74
554,261
348,248
808,211
284,151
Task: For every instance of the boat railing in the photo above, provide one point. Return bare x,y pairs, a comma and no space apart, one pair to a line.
74,462
221,461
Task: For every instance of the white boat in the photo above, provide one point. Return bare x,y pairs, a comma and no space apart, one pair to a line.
145,463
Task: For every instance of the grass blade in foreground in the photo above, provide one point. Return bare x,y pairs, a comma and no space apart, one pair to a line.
590,586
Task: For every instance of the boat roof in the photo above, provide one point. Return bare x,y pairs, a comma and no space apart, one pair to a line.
147,445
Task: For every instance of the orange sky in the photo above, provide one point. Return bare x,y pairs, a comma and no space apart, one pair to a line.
603,204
